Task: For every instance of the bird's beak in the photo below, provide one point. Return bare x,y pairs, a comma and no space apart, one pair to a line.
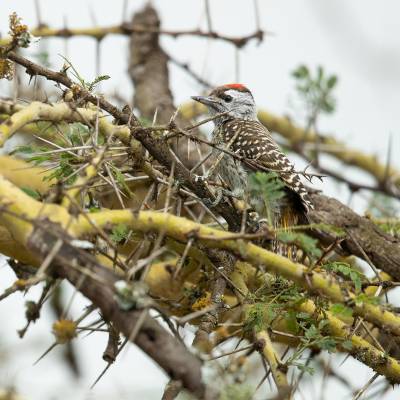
206,100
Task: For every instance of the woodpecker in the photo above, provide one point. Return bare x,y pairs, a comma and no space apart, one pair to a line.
237,129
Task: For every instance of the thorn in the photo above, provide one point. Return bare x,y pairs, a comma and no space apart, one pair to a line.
386,174
93,16
124,11
38,14
154,117
344,360
30,79
108,365
46,352
101,375
65,68
208,16
171,123
257,17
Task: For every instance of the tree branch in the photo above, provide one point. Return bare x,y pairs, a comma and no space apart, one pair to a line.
382,249
99,33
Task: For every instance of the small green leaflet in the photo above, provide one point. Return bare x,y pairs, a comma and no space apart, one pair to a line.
347,271
31,192
305,242
119,233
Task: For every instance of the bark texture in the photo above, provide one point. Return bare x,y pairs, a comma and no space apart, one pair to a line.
148,68
382,249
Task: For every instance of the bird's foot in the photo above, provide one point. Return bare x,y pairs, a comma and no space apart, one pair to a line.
219,194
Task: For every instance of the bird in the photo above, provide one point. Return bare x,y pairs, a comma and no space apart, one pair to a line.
249,147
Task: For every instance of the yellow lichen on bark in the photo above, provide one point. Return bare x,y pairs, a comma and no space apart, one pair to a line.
24,174
59,112
19,211
181,229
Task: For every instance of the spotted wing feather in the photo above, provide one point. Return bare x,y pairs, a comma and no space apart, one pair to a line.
253,141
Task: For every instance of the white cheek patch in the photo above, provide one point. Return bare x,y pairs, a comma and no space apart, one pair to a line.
240,100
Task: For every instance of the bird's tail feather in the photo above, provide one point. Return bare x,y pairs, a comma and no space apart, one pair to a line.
284,221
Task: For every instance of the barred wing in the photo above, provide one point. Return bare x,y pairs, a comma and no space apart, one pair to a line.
253,141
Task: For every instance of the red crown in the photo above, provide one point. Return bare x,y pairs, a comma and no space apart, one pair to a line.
237,86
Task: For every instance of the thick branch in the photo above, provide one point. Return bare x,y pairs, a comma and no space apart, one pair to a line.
382,249
49,226
158,148
266,348
148,69
97,283
183,229
59,112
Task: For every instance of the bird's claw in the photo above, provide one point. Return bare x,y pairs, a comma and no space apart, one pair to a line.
213,203
219,194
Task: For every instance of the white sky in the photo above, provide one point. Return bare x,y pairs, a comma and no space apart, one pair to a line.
358,40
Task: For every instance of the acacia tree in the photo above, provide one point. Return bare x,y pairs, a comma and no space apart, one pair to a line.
113,204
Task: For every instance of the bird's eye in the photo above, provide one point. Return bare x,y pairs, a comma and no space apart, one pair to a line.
227,98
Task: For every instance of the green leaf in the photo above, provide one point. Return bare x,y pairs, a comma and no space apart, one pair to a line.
355,277
97,80
119,176
303,315
363,298
301,72
25,149
31,192
119,233
331,82
312,332
301,240
315,90
29,149
322,324
78,133
101,78
268,187
305,368
236,391
40,159
267,184
341,309
327,343
260,315
328,105
347,345
347,271
291,321
320,74
64,170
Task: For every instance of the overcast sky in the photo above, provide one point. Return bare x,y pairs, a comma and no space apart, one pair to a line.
358,40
